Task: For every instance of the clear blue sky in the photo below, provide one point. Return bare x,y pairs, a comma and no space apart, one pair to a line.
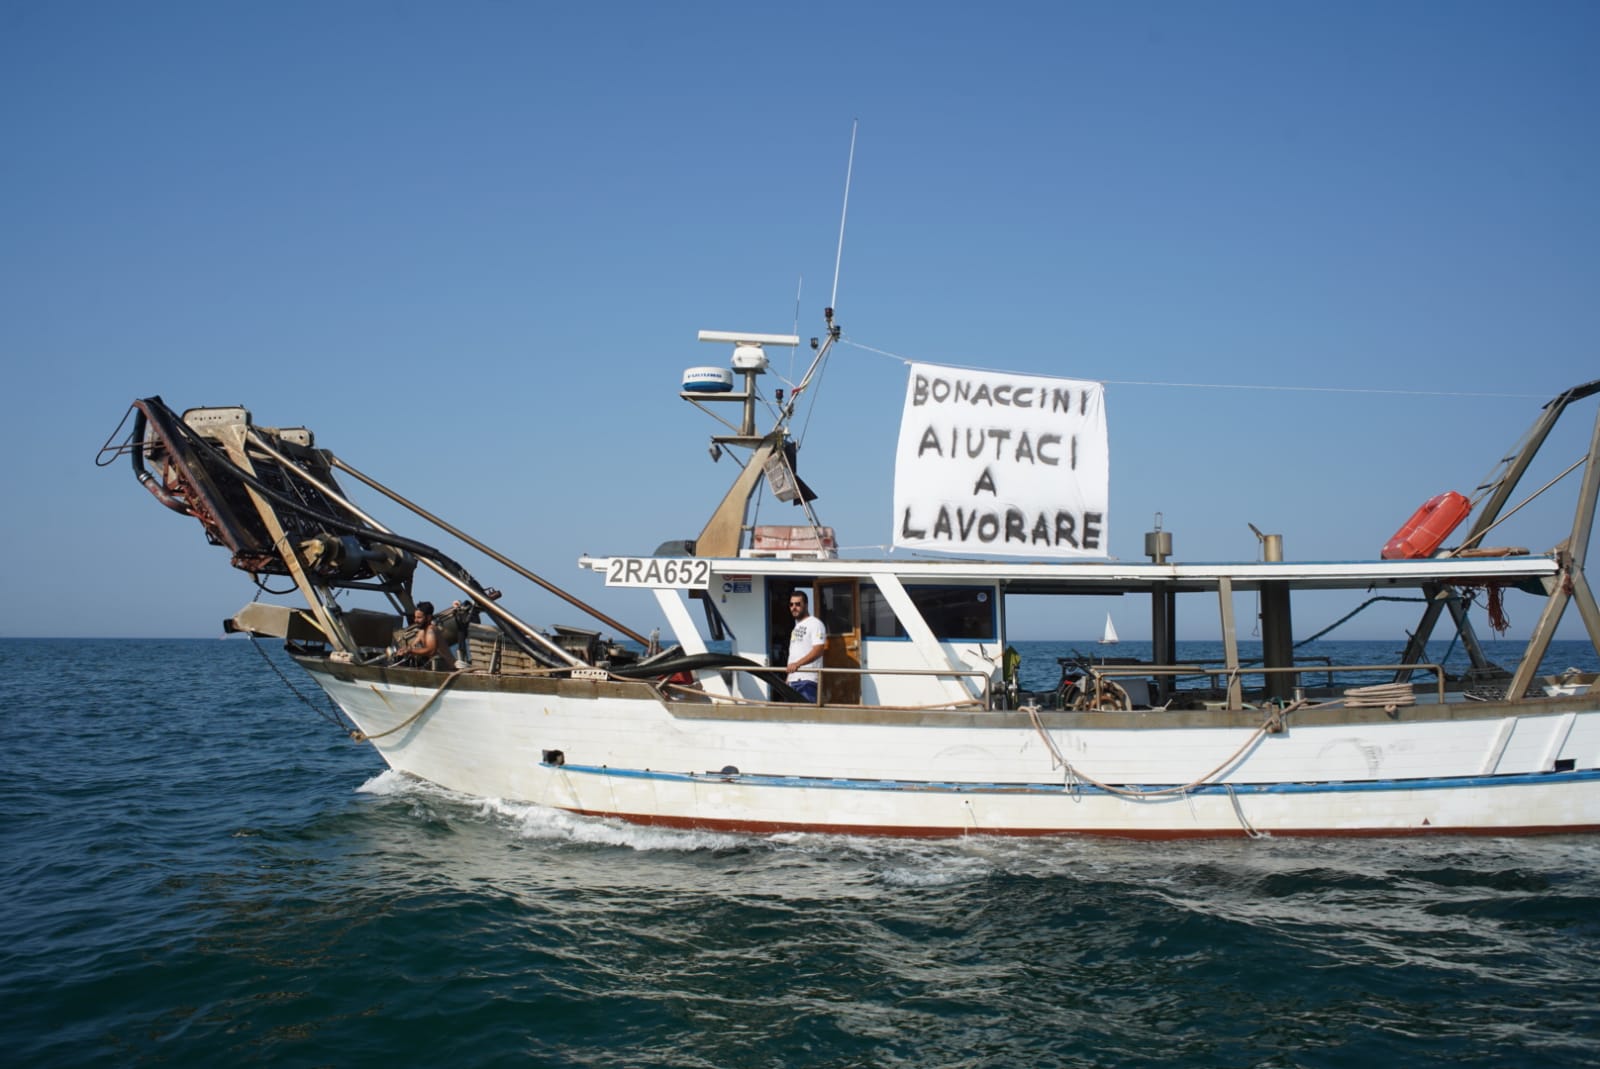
471,243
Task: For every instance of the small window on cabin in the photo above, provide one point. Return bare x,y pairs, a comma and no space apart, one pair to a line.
877,619
952,612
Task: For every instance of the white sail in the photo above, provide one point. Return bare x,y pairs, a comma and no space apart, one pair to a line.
1110,637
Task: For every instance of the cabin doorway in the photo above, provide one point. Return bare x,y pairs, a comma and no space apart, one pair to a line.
838,606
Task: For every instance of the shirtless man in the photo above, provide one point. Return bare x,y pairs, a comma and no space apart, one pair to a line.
426,647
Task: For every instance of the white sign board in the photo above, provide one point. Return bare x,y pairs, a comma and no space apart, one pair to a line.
659,572
1001,464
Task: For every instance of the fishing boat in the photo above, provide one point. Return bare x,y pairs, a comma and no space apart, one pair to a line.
920,727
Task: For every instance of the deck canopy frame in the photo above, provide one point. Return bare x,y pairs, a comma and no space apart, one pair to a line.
1095,578
1440,585
1559,574
1568,585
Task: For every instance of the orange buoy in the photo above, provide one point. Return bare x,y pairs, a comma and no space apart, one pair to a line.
1428,527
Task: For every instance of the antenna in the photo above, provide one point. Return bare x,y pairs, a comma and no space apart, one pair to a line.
799,286
833,301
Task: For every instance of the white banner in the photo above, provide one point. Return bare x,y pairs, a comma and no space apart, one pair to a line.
1001,464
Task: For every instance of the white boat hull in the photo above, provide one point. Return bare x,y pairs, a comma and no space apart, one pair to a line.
616,750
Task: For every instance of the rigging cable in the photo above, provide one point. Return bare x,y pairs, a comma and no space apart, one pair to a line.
1219,385
1352,612
811,401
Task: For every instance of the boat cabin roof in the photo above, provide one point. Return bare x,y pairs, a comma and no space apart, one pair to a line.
1114,577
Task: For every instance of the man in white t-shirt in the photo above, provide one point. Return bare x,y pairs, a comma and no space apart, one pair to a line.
807,643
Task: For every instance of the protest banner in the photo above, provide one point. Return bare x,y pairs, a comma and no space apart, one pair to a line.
1002,464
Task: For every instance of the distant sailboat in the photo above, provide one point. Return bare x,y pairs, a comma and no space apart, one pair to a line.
1110,637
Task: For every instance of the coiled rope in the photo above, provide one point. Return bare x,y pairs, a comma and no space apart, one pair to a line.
1385,696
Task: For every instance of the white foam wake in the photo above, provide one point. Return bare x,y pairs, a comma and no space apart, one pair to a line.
533,821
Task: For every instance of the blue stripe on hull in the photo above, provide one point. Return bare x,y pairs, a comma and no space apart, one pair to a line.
935,786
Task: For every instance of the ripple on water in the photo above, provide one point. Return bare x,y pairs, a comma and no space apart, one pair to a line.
197,869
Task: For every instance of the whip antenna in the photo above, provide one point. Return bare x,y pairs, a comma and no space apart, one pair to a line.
799,286
833,301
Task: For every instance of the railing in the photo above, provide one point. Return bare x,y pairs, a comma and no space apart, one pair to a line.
1233,675
983,677
1326,671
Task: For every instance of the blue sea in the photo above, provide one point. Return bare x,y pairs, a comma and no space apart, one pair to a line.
199,869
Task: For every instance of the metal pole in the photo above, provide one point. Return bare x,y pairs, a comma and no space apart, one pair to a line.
1570,579
1160,634
485,550
331,625
1516,464
1230,643
488,606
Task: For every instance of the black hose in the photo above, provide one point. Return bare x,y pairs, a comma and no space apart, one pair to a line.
690,662
148,481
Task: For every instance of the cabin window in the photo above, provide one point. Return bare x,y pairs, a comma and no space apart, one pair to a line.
953,612
877,619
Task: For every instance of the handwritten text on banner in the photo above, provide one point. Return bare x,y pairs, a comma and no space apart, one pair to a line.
1002,464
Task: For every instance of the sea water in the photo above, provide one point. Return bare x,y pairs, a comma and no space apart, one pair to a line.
200,870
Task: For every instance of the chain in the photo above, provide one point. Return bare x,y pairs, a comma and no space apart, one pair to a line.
332,718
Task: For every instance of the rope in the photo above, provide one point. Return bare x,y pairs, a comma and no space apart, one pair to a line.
811,408
1075,775
101,460
361,736
333,718
1387,696
1219,385
1494,603
1493,483
1238,811
355,733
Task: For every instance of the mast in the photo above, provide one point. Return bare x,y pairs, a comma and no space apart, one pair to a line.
771,453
